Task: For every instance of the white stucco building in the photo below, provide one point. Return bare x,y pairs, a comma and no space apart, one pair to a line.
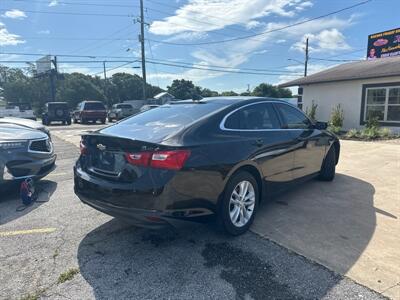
366,88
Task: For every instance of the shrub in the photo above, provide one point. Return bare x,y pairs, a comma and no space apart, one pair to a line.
352,133
385,132
337,117
372,122
312,112
334,129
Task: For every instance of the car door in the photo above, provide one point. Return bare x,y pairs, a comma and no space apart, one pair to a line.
309,143
259,123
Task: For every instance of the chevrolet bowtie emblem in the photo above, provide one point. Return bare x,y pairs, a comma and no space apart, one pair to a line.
101,147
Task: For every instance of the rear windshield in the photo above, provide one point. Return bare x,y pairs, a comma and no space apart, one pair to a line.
94,106
172,115
124,106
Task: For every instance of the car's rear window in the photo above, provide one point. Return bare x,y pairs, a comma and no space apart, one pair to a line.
94,106
173,115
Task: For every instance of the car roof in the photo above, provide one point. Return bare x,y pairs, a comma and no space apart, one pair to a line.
229,100
92,101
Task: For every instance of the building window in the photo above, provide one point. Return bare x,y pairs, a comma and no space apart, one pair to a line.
383,103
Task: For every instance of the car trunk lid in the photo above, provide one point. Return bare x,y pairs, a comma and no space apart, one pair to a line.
106,157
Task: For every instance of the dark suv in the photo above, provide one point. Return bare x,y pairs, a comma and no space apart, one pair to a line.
90,111
56,112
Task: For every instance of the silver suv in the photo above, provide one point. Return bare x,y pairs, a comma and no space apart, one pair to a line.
120,111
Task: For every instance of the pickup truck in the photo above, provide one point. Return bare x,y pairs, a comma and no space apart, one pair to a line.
17,110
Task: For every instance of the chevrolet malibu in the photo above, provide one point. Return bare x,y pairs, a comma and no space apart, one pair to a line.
189,159
24,153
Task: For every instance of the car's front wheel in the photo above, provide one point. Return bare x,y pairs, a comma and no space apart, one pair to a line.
239,203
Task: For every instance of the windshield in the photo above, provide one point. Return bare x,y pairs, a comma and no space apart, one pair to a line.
172,115
94,106
156,124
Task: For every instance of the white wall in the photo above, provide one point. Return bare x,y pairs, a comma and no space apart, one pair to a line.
345,93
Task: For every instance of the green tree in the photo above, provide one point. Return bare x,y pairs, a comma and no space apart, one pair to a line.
184,89
269,90
208,93
229,93
77,87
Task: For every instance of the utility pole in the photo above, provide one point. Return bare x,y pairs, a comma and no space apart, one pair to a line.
53,76
306,60
105,81
141,39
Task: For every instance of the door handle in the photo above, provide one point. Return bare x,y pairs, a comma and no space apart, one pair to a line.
258,142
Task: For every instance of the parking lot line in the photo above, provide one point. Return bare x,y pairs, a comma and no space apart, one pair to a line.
28,231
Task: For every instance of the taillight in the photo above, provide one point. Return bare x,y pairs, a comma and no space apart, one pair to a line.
170,160
138,159
82,148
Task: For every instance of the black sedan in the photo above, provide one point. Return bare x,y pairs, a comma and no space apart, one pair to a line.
190,159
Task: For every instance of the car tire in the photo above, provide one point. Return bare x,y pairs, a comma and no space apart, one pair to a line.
84,121
110,120
75,120
236,201
328,168
69,122
103,121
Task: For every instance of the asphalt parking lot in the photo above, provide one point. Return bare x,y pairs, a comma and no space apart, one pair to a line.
59,248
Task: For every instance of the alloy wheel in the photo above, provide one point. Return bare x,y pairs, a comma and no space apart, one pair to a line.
241,204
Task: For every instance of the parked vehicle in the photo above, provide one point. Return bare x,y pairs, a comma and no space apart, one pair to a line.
90,111
56,112
148,107
197,158
120,111
24,153
25,123
17,110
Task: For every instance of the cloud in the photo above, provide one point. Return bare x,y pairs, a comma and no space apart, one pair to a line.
53,3
188,36
14,14
195,15
45,31
7,38
328,40
234,54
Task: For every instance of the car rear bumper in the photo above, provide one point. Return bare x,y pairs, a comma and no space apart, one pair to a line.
145,208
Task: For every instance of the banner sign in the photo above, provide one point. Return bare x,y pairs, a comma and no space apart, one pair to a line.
384,44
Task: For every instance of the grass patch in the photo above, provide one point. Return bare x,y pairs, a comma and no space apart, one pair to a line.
34,296
68,275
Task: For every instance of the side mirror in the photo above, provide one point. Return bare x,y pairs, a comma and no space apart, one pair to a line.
321,125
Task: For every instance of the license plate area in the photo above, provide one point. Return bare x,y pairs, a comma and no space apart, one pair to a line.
108,162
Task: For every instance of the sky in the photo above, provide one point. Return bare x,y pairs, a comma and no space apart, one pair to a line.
187,38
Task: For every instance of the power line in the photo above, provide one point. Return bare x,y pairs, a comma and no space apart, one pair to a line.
77,3
117,67
73,13
268,31
336,60
237,71
153,59
216,70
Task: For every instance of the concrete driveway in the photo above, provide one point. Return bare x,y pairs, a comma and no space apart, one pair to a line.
350,225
